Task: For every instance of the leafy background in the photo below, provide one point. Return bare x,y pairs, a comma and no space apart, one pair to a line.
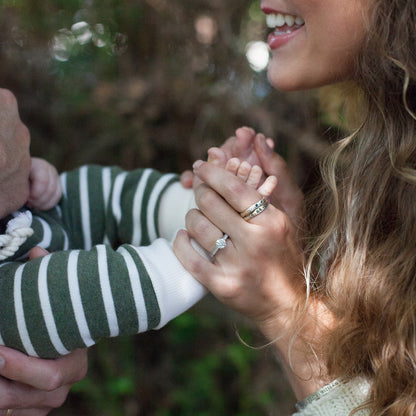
156,83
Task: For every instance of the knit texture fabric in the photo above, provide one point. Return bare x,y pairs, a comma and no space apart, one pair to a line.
100,279
339,401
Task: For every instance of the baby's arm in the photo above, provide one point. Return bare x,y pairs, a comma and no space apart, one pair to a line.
71,299
45,185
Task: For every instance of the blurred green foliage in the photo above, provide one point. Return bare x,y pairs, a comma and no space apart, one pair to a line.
156,83
194,366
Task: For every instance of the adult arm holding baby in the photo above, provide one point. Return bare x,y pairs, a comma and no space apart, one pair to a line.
29,385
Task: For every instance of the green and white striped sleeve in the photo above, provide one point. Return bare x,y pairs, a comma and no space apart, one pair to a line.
71,299
112,206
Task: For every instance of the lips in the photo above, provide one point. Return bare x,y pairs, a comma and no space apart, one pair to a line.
284,26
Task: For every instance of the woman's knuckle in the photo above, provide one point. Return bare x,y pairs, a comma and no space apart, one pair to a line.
281,227
190,218
231,289
206,199
194,266
195,224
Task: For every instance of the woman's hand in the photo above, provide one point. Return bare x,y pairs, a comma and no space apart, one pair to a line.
258,150
259,273
32,386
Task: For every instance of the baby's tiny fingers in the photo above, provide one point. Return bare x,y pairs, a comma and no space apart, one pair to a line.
232,165
255,176
244,171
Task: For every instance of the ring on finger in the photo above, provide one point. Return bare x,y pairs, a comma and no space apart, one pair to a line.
220,244
255,209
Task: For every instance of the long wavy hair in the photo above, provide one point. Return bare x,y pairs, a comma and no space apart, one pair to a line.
366,247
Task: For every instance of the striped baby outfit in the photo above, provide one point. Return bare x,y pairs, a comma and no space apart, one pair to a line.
108,273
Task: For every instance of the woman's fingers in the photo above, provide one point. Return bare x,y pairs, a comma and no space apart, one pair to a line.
202,269
200,226
287,195
237,193
268,186
218,211
224,196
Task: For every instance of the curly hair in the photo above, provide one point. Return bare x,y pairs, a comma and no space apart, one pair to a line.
367,218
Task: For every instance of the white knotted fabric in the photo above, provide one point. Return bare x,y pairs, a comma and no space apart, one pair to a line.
17,232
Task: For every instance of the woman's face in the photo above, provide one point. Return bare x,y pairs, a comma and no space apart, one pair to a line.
314,42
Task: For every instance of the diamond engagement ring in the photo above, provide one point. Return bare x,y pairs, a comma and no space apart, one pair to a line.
255,209
220,244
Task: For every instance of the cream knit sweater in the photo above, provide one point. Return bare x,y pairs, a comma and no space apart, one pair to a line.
339,400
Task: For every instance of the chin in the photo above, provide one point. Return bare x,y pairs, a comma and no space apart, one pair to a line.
284,77
288,82
285,84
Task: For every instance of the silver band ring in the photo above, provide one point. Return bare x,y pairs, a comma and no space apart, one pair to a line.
220,244
9,412
255,209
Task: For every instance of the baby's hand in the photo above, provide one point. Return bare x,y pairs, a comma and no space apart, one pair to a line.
241,146
45,185
252,175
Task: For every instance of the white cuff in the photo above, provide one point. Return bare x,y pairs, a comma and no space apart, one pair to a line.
176,290
174,205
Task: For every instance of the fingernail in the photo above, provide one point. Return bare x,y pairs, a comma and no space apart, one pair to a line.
214,160
261,139
197,164
212,157
2,362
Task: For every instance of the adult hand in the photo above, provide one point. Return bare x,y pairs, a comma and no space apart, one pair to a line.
258,150
259,273
241,146
14,155
33,387
287,196
267,241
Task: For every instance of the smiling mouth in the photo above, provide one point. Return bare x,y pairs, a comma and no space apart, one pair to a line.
284,22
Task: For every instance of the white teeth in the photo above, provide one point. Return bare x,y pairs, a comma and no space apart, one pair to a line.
290,20
279,20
